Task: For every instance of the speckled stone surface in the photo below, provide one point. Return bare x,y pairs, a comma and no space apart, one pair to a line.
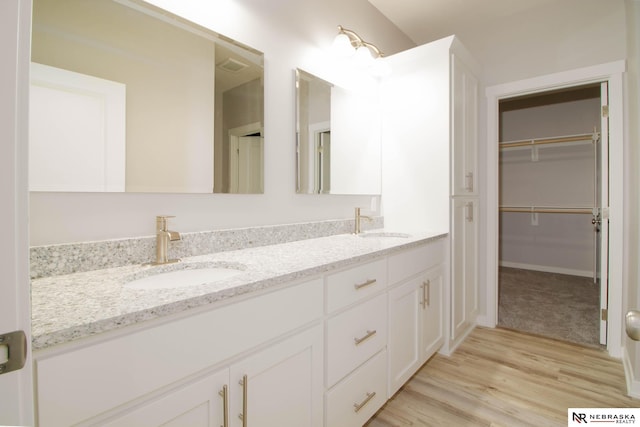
55,260
73,306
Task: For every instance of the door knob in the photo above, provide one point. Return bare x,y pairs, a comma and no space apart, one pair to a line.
632,324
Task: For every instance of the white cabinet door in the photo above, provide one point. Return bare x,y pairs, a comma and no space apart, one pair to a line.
405,315
464,267
432,335
464,129
198,404
281,385
415,325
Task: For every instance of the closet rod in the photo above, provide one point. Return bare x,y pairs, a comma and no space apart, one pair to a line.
534,209
540,141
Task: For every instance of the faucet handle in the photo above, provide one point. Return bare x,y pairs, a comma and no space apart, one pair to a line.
161,221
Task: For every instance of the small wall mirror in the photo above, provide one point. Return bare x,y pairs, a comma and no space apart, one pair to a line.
337,138
127,97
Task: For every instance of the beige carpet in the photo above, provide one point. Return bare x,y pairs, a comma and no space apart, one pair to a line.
554,305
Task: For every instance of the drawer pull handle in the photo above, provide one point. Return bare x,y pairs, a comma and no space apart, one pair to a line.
362,285
244,382
426,299
225,405
358,406
368,335
469,182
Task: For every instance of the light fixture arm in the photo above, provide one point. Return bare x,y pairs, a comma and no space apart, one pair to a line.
357,41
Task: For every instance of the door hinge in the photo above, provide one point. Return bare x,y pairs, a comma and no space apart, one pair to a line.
605,111
16,344
604,314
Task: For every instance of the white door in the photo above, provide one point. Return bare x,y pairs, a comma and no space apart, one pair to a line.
432,329
602,203
279,386
76,131
405,317
247,154
323,162
16,394
464,266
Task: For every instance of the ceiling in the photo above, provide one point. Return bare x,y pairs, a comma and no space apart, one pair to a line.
427,20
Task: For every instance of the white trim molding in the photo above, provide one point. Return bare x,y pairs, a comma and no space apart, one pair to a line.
612,73
633,383
546,268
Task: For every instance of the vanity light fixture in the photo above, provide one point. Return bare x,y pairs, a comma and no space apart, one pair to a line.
367,55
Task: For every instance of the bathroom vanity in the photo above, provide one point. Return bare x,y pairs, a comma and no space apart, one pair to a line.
319,332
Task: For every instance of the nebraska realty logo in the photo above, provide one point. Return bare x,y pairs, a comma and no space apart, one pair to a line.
582,416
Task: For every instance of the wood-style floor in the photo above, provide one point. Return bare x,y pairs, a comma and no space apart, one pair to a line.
501,377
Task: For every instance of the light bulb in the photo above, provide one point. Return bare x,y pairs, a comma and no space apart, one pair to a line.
342,46
380,67
363,57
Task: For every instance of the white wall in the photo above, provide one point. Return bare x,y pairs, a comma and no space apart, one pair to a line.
556,36
291,34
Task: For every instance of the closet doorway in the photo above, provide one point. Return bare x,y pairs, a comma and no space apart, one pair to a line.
553,241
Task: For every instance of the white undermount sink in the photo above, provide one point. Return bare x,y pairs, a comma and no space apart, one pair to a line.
182,275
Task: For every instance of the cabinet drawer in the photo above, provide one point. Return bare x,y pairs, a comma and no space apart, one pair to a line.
353,401
89,380
349,286
354,336
411,262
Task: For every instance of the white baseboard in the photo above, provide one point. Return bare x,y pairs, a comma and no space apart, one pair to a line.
451,345
547,269
483,320
633,384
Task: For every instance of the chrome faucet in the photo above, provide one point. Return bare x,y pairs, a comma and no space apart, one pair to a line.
358,218
163,237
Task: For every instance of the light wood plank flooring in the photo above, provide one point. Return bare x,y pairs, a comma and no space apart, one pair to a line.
501,377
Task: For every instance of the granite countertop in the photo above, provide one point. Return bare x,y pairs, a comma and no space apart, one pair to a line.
74,306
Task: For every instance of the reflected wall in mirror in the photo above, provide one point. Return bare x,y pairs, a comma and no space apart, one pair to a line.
127,97
338,145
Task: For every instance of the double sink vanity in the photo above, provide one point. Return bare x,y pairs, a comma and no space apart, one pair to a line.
288,328
316,332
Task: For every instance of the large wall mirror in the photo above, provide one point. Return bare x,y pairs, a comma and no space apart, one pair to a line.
127,97
338,147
